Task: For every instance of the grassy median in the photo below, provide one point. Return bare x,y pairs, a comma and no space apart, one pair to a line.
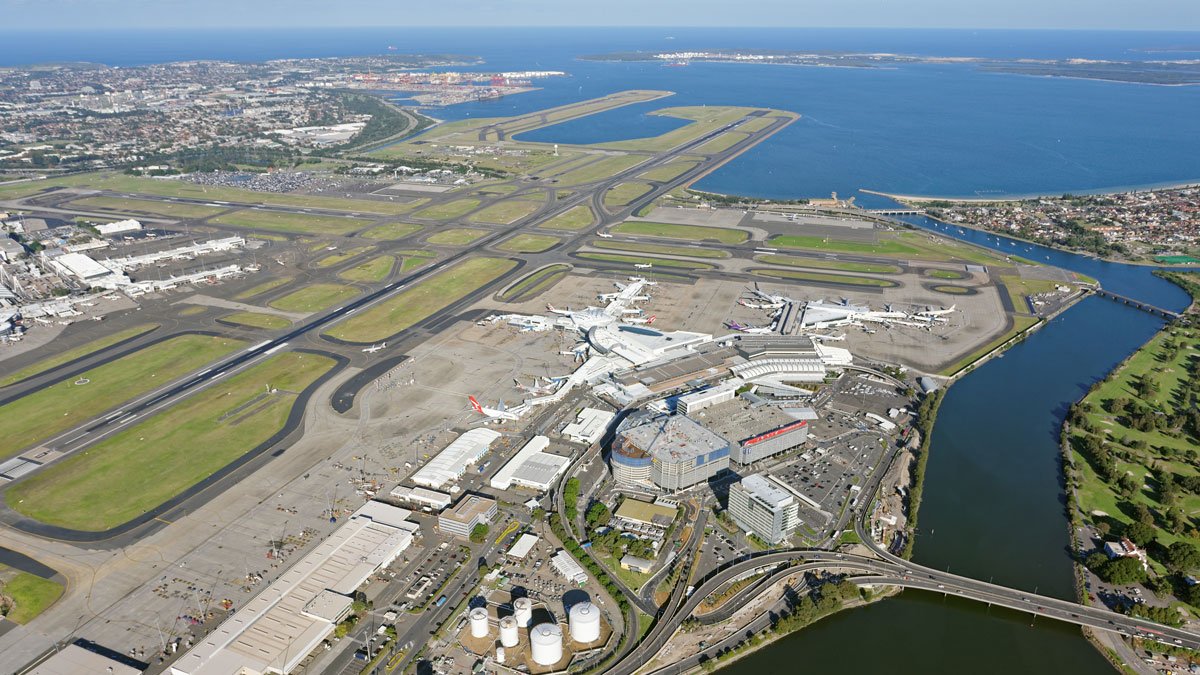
76,353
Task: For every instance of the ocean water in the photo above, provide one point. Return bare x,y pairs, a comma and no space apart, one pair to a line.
941,129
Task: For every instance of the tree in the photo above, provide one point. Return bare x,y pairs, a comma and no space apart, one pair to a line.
1123,571
1143,515
1140,533
479,533
1095,561
538,514
597,515
1127,485
1182,557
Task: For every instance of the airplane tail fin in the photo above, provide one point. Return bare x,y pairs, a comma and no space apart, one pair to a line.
651,319
475,404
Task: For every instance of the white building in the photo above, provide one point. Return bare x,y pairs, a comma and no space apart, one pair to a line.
277,629
696,401
119,226
531,467
421,497
522,546
565,565
589,426
451,463
765,507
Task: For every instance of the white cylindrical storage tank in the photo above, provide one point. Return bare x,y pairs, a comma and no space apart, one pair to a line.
523,608
545,641
499,654
584,623
479,622
509,637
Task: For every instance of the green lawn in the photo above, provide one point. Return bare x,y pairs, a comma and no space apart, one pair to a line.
505,212
420,301
372,271
669,171
257,320
724,235
1020,324
125,205
458,236
414,258
449,210
600,169
390,231
78,352
820,263
721,143
31,594
314,297
574,219
118,182
624,193
827,278
54,409
299,223
661,249
147,464
883,247
951,289
646,260
342,256
528,243
705,119
535,283
945,274
1019,289
262,288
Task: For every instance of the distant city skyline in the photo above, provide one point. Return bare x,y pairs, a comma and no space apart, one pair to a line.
1176,15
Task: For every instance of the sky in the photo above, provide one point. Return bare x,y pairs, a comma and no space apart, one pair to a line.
1047,14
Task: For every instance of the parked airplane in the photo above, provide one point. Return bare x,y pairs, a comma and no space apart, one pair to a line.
643,266
929,311
753,330
374,348
604,235
498,413
640,321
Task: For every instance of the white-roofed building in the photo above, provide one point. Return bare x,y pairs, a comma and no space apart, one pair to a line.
589,425
421,497
522,546
531,467
565,565
87,270
765,507
277,629
130,225
74,659
451,463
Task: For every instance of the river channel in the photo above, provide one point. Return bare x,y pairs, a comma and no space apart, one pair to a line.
994,503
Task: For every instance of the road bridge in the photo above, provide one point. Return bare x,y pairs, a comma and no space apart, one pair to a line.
1138,304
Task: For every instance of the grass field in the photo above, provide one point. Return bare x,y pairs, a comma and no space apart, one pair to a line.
314,297
721,143
826,277
124,205
458,236
1020,324
528,243
147,464
535,283
449,210
600,169
646,260
262,288
660,249
372,271
414,258
669,171
945,274
574,219
76,353
505,212
118,182
951,289
420,301
705,119
624,193
818,263
887,247
193,310
31,594
54,409
390,231
299,223
257,320
724,235
342,255
1019,289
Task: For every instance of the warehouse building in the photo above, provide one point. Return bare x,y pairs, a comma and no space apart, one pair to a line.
451,463
277,629
464,516
531,467
671,452
589,426
765,507
421,498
